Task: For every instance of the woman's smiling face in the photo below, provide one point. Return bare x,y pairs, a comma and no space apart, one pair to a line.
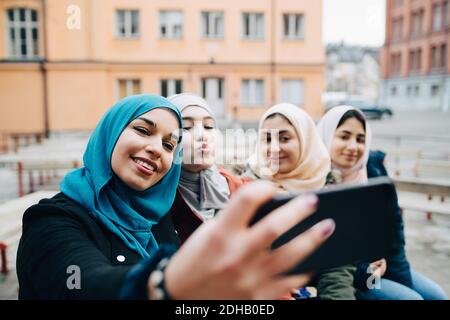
348,144
280,144
145,150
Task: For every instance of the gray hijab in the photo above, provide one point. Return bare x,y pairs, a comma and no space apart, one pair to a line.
207,191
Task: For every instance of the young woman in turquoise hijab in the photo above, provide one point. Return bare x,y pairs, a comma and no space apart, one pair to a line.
103,184
107,234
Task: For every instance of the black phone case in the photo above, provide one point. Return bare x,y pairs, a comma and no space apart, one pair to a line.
365,224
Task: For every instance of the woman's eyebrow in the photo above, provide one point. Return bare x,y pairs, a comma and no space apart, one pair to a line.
350,133
192,119
148,121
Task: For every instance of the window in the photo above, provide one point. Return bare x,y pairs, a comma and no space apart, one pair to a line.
398,3
127,23
128,87
417,23
171,86
171,24
396,63
252,92
412,60
23,34
292,91
415,60
252,25
212,88
293,26
443,56
419,59
434,57
212,25
409,90
435,88
397,29
446,13
417,90
393,91
437,17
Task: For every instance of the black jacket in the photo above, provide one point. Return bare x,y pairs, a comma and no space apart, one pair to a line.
398,268
58,233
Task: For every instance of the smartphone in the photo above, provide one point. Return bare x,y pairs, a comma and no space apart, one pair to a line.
365,218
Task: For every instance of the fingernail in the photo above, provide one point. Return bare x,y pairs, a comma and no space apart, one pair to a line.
328,227
311,200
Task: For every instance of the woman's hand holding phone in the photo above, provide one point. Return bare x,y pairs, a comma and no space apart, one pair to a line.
228,259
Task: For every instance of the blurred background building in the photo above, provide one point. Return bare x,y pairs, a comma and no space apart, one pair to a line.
64,62
352,71
414,60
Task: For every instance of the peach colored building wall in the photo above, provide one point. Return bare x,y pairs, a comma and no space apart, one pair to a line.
21,86
96,39
21,106
83,65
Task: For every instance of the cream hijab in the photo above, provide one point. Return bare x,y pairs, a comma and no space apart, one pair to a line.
314,163
327,128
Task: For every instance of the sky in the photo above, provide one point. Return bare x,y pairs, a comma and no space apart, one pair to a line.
354,21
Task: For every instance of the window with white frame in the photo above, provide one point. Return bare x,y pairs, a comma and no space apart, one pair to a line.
252,25
252,92
437,17
171,86
23,35
292,91
171,24
293,26
212,24
127,87
127,23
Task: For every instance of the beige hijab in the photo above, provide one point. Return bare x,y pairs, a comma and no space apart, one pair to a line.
327,128
314,163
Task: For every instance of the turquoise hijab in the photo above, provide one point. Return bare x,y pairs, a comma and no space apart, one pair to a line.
127,213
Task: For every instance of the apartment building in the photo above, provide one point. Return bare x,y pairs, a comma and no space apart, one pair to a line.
414,59
64,62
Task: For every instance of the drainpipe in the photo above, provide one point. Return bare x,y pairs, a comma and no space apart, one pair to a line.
43,69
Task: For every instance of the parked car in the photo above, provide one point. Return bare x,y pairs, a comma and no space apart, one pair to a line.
370,111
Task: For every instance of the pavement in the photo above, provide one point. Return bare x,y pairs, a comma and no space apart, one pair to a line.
428,246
